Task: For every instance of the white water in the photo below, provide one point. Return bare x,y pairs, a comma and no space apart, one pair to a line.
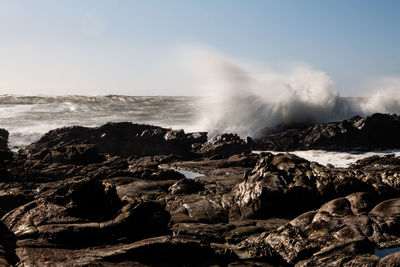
337,159
249,100
27,118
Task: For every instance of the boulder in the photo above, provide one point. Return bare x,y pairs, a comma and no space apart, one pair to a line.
84,212
123,139
391,260
378,131
7,247
286,185
337,234
225,145
186,186
156,251
5,152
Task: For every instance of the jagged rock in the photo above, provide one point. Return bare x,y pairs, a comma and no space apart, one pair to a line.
5,153
185,186
391,260
284,185
84,212
85,198
226,145
123,139
134,188
156,251
7,247
73,154
342,232
386,215
3,139
378,131
377,163
155,173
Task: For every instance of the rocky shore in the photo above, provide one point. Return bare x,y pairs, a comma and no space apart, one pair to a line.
114,196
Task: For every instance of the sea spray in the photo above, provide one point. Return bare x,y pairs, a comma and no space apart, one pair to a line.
249,102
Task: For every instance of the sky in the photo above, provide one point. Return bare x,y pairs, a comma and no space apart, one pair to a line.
92,47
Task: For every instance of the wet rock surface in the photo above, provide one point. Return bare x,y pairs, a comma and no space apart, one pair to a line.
378,131
79,197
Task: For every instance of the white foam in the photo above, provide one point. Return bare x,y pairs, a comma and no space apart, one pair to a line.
246,99
337,159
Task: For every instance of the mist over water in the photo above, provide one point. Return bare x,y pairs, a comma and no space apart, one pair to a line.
248,101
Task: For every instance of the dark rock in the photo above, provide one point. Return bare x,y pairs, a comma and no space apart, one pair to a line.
7,247
94,196
362,202
333,235
285,185
74,154
155,173
4,139
15,198
377,162
386,215
186,186
203,231
5,152
157,251
392,260
274,185
84,212
226,145
134,188
123,139
378,131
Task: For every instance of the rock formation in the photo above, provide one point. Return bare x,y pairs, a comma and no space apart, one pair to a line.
114,196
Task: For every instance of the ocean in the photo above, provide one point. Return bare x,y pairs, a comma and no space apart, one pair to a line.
27,118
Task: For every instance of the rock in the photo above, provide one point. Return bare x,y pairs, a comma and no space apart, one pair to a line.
285,185
377,163
5,152
10,200
317,238
123,139
274,185
386,215
158,251
342,232
197,208
186,186
378,131
203,231
391,260
339,259
362,202
110,196
155,173
226,145
74,154
7,247
84,212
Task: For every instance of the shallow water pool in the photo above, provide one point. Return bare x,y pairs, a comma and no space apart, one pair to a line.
386,251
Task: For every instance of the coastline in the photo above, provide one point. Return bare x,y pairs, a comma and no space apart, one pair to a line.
113,194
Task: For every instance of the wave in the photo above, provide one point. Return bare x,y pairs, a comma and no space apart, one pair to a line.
249,103
29,117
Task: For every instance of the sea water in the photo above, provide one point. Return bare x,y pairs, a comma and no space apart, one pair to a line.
27,118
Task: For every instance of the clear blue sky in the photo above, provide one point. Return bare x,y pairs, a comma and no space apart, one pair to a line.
128,47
